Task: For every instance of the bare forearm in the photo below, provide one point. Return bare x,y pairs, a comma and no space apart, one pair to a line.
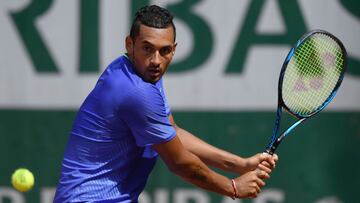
197,173
211,155
188,157
188,166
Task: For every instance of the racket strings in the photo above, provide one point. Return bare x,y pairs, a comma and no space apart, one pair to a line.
312,74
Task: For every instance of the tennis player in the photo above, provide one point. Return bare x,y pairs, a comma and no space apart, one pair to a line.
125,123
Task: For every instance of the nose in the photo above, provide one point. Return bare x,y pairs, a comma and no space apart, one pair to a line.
155,59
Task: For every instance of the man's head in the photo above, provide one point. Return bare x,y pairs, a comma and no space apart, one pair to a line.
151,43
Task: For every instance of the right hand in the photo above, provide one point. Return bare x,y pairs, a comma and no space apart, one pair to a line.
249,184
261,161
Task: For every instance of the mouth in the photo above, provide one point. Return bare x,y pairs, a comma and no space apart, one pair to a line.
155,72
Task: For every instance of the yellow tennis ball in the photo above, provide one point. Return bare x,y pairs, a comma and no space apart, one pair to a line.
22,180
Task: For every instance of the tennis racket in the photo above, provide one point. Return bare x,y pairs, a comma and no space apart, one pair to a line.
309,79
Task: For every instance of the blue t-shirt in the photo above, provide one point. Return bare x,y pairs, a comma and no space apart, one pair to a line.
109,154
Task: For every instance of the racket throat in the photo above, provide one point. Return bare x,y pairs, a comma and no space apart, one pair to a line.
272,148
274,145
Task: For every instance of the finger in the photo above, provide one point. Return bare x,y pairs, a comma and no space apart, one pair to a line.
269,165
267,158
275,157
260,182
258,190
262,174
264,168
255,195
265,163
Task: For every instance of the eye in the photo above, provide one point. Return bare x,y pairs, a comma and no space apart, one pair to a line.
148,49
165,51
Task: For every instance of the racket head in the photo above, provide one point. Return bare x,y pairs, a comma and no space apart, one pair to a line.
312,73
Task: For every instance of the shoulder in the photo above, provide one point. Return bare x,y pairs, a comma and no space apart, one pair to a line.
120,67
121,84
144,94
144,100
119,76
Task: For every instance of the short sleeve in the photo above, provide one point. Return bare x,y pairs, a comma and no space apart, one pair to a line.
145,112
159,84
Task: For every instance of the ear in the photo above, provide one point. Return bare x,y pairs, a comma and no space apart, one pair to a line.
129,45
174,50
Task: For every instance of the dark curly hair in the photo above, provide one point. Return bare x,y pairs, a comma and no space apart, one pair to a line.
152,16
